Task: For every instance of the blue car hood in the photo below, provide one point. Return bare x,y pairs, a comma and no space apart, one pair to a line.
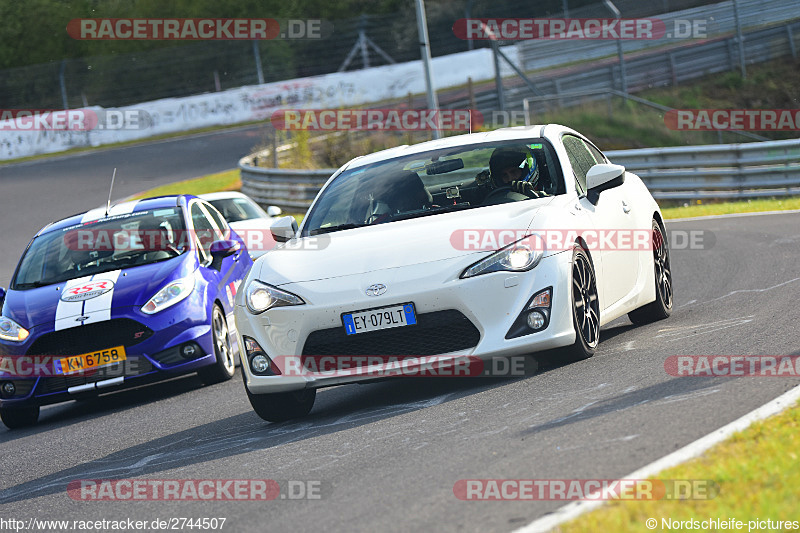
132,286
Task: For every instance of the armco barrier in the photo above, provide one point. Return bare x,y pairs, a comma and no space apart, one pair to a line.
769,168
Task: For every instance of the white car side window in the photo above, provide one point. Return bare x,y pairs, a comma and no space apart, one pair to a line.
580,158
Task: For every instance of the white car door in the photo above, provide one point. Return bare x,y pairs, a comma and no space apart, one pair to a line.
612,214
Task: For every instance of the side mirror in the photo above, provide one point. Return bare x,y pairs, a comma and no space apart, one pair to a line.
2,296
224,248
284,229
601,177
274,211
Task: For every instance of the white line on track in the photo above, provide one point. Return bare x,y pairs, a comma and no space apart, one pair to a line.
690,451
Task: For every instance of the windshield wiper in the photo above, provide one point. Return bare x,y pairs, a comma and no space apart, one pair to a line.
330,229
33,284
431,211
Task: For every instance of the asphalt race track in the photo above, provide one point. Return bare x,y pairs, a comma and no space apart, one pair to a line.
387,454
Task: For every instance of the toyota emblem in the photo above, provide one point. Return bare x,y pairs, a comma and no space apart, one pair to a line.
376,289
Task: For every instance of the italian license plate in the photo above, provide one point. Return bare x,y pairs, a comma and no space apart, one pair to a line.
381,318
76,363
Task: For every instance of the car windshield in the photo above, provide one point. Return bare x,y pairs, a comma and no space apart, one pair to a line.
435,182
237,209
112,243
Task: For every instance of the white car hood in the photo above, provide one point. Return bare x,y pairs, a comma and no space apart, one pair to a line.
391,245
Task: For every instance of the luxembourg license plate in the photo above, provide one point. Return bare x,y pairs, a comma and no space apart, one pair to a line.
77,363
394,316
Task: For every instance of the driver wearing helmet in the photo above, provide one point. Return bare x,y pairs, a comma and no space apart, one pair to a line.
513,167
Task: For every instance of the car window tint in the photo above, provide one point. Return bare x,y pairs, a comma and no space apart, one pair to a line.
237,209
204,229
219,220
598,155
580,158
248,209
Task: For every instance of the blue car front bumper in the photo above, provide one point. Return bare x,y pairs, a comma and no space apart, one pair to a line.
156,346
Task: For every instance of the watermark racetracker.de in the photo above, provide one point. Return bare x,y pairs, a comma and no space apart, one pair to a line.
197,489
733,119
733,366
584,489
198,29
74,119
518,29
559,240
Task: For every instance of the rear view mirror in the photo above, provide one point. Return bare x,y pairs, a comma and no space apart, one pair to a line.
284,229
224,248
442,167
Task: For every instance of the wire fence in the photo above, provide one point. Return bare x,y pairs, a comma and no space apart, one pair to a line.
184,69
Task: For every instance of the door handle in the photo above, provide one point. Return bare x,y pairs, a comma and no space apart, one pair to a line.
625,207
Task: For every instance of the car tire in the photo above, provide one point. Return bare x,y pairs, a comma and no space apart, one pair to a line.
661,308
281,406
225,363
20,417
585,307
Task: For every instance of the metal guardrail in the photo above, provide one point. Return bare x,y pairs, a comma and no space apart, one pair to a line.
716,20
671,66
769,168
286,188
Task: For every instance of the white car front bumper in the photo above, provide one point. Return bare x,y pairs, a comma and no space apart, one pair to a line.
490,302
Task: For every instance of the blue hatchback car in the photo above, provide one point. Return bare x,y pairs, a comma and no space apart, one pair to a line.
119,297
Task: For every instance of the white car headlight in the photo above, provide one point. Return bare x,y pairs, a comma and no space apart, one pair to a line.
173,293
11,331
260,297
517,257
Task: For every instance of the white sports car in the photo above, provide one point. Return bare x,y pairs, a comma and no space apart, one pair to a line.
247,218
465,248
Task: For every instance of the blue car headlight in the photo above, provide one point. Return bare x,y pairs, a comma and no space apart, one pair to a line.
516,257
11,331
260,297
171,294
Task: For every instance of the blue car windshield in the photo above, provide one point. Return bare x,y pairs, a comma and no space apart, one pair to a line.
112,243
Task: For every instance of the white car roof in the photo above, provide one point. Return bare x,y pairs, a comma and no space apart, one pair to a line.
499,135
223,195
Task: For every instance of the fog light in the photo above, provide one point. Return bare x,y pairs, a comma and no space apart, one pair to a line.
259,364
188,351
9,389
535,320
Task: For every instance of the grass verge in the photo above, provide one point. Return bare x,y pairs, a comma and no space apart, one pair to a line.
758,472
227,180
727,208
